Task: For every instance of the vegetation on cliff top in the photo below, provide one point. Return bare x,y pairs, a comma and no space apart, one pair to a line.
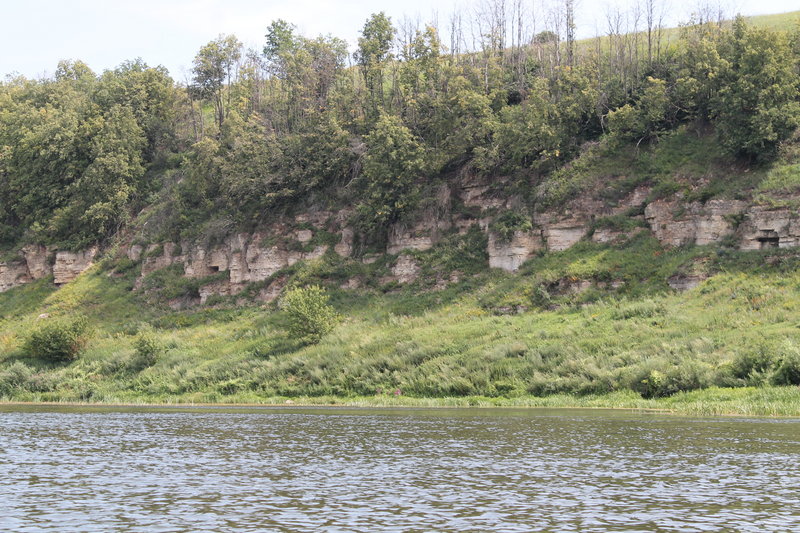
257,132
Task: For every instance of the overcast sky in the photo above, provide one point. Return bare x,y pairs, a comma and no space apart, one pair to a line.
36,34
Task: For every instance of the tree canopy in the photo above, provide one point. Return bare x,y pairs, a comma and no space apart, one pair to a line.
254,131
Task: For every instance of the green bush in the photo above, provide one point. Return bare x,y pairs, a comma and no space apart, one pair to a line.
509,222
752,365
788,370
58,340
310,316
540,296
147,346
669,379
14,377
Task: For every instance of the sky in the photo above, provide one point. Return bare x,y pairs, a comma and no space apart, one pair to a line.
36,34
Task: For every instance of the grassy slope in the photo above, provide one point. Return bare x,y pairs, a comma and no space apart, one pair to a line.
669,36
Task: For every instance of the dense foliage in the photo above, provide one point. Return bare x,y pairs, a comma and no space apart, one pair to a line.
57,340
74,150
310,315
256,131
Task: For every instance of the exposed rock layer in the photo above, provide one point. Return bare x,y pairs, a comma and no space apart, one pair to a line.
257,257
69,265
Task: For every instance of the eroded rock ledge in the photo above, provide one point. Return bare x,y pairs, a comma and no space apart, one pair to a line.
257,257
35,262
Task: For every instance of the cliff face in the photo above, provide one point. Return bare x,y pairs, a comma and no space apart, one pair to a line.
37,262
257,257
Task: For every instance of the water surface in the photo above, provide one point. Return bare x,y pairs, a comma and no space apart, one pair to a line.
324,469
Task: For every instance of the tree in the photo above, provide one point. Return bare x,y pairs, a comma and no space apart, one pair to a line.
319,155
569,25
756,106
72,159
644,120
213,69
303,71
310,316
698,75
526,136
76,73
150,94
247,166
393,165
281,42
99,198
374,50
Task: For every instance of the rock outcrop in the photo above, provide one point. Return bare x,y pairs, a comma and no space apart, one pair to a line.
345,246
685,282
247,258
69,265
37,261
751,227
676,223
426,231
13,274
769,228
563,229
421,236
257,257
509,255
406,269
564,234
31,263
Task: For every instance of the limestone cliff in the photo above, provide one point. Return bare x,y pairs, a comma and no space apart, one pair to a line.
258,256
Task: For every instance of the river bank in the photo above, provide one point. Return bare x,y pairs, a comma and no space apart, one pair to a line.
715,401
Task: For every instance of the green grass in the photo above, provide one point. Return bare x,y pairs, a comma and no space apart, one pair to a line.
778,21
714,401
670,36
781,183
682,161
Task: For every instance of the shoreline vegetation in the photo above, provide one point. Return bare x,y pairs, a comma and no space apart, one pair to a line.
774,402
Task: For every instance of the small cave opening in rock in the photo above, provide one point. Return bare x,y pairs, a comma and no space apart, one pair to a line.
769,239
214,269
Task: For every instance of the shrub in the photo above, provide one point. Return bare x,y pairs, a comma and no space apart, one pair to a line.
310,316
509,222
147,347
540,296
788,370
14,377
58,340
752,365
666,380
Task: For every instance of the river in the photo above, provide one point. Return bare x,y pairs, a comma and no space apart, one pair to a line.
339,469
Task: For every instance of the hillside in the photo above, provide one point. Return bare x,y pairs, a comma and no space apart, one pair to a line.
614,232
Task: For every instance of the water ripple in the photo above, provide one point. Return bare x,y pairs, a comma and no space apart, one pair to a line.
393,470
